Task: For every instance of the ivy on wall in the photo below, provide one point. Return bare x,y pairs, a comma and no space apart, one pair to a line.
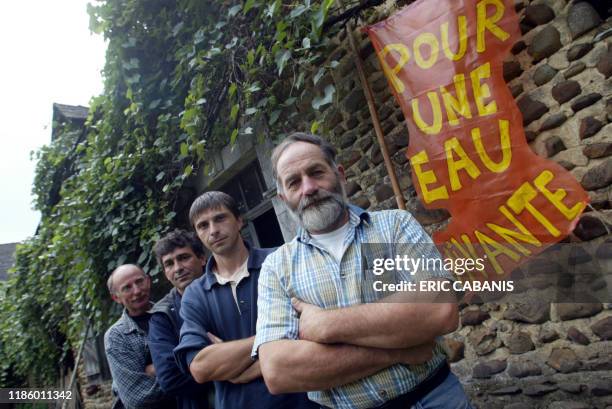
182,77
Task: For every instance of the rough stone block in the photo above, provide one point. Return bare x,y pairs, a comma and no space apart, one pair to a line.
574,335
348,157
512,70
516,90
539,389
604,65
532,311
545,43
578,51
598,150
585,101
573,311
346,140
484,340
566,90
603,329
473,317
553,121
455,349
543,74
574,69
568,404
361,201
581,18
538,14
383,192
519,342
518,47
352,187
531,109
486,369
522,369
508,390
354,101
554,145
589,127
548,335
598,176
602,387
563,360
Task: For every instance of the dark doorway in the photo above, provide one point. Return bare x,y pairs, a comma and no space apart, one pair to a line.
268,230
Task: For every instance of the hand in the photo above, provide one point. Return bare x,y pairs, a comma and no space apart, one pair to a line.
214,339
311,326
150,370
416,355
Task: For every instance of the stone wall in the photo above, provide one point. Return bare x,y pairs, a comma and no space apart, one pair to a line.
508,355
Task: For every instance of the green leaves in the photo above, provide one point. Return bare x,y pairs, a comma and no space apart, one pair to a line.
281,58
184,149
182,79
327,98
318,18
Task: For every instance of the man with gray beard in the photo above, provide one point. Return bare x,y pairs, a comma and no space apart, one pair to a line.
320,328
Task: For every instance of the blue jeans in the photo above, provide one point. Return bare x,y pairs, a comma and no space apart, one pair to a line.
448,395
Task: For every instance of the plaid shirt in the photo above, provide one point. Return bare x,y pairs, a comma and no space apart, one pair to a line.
303,270
126,350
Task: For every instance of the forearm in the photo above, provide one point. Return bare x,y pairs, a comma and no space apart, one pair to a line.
223,361
300,366
250,374
388,325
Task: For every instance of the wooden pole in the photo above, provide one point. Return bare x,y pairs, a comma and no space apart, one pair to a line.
399,197
76,364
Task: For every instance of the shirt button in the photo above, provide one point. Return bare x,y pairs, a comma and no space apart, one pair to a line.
383,393
342,275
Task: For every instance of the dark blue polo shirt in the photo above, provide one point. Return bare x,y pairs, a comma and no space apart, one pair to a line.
208,306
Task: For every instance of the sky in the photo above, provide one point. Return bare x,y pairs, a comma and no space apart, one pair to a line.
47,55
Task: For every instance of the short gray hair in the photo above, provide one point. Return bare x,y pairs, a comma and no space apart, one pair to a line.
328,150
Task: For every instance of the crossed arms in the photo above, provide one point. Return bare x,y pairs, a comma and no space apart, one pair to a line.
225,361
206,356
344,345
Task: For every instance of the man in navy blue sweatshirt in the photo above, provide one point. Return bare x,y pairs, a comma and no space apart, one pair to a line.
219,311
181,256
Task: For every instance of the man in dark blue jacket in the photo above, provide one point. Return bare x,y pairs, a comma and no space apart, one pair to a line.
220,312
181,256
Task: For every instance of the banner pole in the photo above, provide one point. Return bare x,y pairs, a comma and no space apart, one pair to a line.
399,197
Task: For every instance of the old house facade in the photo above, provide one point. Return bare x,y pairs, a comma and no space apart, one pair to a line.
508,356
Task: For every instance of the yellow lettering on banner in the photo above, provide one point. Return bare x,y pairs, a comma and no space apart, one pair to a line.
482,91
436,124
521,200
426,178
504,142
488,23
494,250
509,235
454,166
462,35
459,105
434,47
391,73
557,198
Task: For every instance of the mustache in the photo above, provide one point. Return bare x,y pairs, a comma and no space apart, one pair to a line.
320,197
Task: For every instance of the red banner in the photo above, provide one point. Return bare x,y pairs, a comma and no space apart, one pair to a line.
468,152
